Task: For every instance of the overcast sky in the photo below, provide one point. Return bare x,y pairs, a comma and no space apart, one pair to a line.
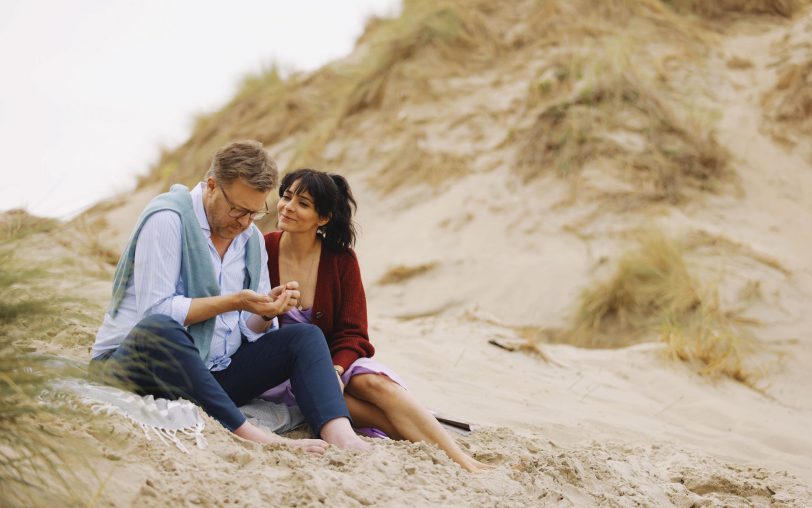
91,89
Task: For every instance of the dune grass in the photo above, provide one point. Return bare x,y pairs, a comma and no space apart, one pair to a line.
582,20
445,28
18,223
654,296
12,278
718,8
303,113
90,239
608,97
788,105
794,94
609,111
401,273
39,464
396,61
299,116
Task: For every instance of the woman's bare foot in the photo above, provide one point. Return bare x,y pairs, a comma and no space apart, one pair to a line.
474,466
338,432
253,433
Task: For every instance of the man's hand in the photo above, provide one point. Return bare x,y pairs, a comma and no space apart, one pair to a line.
253,301
264,305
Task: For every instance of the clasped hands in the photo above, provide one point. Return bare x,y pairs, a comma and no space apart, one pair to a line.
280,300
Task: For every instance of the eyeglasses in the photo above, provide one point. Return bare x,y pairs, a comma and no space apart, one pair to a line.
237,212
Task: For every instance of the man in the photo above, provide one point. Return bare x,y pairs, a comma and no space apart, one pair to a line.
193,314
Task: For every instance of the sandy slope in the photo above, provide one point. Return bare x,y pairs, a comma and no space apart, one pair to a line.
620,427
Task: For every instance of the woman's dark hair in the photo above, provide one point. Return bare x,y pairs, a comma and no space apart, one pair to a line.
332,198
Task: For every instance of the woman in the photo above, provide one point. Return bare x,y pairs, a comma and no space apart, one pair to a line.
314,247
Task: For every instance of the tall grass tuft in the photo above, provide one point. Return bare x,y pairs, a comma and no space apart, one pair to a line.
612,113
719,8
447,27
401,273
439,33
17,223
39,465
789,103
653,296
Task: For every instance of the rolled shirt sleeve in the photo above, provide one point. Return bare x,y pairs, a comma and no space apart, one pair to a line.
158,286
264,288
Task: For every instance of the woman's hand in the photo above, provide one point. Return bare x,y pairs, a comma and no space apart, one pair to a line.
292,290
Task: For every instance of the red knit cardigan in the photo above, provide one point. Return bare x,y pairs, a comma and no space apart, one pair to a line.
339,306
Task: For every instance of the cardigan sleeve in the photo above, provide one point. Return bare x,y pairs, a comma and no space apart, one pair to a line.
350,339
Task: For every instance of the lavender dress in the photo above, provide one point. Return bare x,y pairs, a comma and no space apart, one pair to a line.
283,393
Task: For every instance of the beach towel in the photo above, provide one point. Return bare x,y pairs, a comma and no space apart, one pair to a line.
169,420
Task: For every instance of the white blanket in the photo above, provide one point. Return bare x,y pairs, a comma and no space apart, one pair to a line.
160,417
169,420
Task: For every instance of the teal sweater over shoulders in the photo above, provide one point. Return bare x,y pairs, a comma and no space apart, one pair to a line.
197,271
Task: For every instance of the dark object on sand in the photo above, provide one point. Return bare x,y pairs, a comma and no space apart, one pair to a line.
454,423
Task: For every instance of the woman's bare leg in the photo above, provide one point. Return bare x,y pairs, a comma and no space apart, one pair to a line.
365,414
408,417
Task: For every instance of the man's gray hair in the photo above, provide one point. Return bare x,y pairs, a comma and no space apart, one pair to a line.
247,160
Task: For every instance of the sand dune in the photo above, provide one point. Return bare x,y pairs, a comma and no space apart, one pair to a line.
480,250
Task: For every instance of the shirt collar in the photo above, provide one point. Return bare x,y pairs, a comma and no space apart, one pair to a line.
197,203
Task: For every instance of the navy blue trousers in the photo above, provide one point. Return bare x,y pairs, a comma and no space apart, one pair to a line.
158,357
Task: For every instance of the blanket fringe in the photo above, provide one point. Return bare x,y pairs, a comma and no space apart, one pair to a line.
166,436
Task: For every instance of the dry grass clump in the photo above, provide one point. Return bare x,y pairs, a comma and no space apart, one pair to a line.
609,98
710,341
35,462
653,296
38,465
582,24
18,223
719,8
448,29
14,301
794,93
739,63
789,102
401,273
618,117
89,234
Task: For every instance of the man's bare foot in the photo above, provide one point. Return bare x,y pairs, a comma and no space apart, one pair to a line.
315,446
253,433
338,432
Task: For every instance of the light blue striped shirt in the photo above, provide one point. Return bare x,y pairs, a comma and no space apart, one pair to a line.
156,286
